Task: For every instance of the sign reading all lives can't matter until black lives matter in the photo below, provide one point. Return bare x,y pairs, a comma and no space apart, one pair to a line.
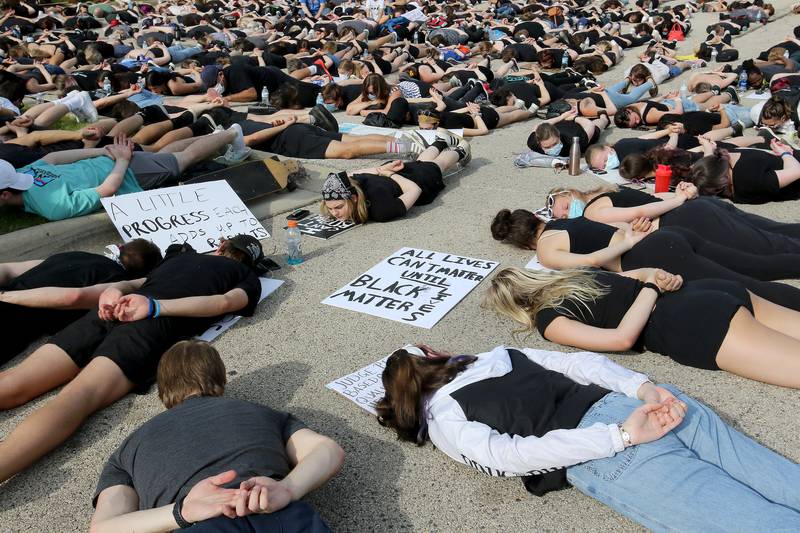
413,286
199,214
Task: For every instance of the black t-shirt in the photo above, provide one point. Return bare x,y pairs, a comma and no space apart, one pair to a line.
383,197
755,180
201,437
534,29
240,77
695,122
567,129
19,155
184,273
69,269
526,53
350,93
605,312
87,79
524,91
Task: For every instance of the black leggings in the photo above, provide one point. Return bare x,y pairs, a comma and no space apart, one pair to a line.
681,251
723,223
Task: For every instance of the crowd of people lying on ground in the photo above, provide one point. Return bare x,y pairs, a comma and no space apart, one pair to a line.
166,88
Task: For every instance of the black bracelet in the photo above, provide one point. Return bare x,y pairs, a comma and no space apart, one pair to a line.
176,514
653,286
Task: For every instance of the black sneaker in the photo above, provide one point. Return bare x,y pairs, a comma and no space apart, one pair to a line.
323,118
734,95
738,128
715,89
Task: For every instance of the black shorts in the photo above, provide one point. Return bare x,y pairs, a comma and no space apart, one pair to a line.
135,347
304,141
428,176
26,324
490,117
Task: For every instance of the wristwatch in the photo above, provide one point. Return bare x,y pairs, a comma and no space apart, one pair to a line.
626,437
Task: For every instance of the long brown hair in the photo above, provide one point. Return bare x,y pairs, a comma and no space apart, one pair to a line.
409,381
710,174
518,227
637,166
378,83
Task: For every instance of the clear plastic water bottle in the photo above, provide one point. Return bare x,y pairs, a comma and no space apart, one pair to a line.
742,81
758,16
294,254
365,53
564,59
320,99
714,53
107,86
265,95
130,5
684,90
586,44
141,82
786,54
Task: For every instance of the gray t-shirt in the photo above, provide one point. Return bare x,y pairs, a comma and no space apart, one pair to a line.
201,437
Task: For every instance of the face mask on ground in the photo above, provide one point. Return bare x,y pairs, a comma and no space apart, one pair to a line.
555,150
575,208
612,161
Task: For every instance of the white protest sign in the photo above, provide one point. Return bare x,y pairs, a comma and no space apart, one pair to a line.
364,386
268,286
198,213
413,286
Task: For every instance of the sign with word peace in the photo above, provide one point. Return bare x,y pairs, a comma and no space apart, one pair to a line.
199,214
413,286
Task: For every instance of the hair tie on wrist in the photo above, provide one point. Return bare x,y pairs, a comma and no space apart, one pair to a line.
653,286
150,307
157,306
786,153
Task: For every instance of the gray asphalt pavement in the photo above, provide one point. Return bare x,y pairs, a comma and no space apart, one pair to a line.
293,346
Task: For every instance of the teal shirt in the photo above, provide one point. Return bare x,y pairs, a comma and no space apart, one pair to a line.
66,191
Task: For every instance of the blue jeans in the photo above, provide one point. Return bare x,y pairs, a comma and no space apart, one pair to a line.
702,476
181,53
146,98
297,517
635,93
740,113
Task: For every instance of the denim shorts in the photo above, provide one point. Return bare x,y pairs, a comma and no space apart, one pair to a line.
740,113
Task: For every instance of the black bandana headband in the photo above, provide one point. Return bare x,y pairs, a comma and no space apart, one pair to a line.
337,187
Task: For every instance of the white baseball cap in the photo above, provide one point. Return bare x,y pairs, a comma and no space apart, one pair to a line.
11,179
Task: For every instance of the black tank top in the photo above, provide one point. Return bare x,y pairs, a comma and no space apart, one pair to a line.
626,197
658,106
529,401
585,236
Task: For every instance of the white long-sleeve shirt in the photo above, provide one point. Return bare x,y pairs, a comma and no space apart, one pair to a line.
485,449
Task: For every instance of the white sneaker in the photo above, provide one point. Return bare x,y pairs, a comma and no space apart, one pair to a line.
85,109
519,103
533,108
238,143
233,156
414,141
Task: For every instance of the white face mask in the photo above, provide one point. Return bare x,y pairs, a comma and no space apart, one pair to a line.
114,252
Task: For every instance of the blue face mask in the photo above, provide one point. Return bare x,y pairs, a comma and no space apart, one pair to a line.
612,161
575,208
555,150
330,107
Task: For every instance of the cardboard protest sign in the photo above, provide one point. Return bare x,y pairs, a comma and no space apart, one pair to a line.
199,214
364,386
268,286
413,286
322,227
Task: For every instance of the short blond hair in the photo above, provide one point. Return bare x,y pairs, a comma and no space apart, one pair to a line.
190,368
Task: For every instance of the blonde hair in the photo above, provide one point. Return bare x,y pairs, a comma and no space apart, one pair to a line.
358,205
597,190
520,294
190,368
776,53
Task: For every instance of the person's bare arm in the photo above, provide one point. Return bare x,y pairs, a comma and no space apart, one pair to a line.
571,332
137,307
70,156
117,507
553,256
121,151
10,271
58,297
248,95
45,137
